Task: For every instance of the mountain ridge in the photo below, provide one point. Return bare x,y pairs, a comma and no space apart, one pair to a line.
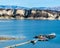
20,7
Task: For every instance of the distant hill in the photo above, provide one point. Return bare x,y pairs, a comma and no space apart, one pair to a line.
39,8
54,8
47,8
12,7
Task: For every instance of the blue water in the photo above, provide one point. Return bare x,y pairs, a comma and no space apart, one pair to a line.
28,29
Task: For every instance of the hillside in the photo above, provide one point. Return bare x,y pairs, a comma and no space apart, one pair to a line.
18,12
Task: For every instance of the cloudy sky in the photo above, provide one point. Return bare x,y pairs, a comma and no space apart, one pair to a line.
31,3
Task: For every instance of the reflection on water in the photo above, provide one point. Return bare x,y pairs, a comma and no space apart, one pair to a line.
27,29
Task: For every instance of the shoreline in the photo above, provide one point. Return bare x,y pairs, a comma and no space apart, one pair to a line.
28,19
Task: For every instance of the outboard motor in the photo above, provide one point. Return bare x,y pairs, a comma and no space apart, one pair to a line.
52,35
34,41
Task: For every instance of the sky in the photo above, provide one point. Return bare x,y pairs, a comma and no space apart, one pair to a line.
31,3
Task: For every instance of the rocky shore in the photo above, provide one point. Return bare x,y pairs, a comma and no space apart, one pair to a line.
29,14
8,38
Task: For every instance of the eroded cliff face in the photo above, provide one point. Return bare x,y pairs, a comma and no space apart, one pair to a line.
29,14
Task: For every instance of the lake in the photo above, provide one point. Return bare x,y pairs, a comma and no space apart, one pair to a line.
27,29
